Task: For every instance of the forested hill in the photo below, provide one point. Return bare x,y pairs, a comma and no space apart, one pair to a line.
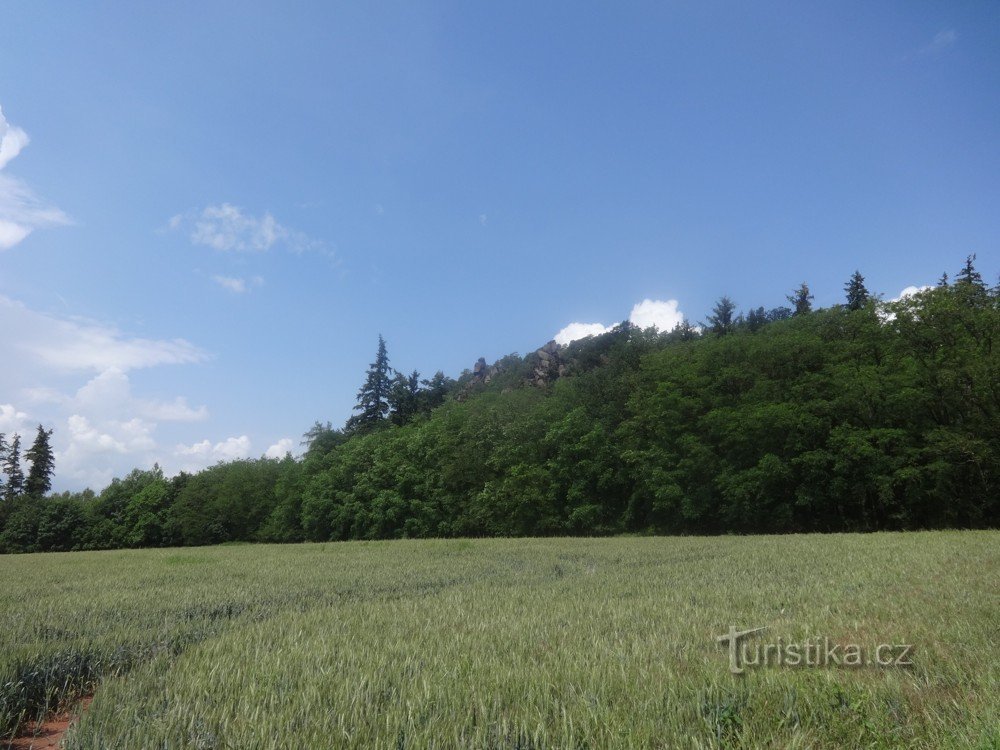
861,417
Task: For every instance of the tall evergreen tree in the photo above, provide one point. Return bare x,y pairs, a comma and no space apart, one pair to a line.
12,468
43,464
969,275
802,299
3,459
857,292
373,398
721,321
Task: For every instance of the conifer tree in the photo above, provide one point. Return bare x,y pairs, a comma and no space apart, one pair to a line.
721,322
43,464
802,299
857,293
3,459
373,398
969,275
12,468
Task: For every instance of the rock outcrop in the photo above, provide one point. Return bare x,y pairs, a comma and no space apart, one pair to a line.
549,364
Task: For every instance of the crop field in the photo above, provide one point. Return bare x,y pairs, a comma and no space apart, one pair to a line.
537,643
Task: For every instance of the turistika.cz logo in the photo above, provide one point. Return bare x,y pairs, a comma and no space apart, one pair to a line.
813,652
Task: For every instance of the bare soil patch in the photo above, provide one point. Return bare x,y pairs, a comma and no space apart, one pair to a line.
49,734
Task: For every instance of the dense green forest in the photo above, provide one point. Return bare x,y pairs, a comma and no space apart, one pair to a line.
865,416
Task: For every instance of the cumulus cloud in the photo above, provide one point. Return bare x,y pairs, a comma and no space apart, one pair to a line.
123,437
13,420
91,452
660,314
279,449
909,292
228,228
238,285
208,453
110,393
74,344
21,211
575,331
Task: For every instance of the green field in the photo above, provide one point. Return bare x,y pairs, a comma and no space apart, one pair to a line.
539,643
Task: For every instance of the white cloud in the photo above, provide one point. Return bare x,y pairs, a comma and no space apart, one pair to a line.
228,228
110,393
73,375
575,331
12,140
909,292
21,211
128,436
661,314
12,420
206,454
279,449
74,344
941,41
89,453
238,285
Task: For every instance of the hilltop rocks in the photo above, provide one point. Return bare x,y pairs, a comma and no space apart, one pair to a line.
541,367
548,366
483,373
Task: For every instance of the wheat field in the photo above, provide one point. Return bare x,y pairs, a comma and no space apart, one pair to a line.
506,643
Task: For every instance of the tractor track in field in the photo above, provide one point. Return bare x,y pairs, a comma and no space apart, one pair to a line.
49,734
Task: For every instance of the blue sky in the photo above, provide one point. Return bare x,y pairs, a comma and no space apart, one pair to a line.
209,211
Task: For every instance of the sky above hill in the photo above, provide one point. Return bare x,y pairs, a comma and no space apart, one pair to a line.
210,211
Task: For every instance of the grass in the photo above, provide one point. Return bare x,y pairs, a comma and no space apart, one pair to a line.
561,643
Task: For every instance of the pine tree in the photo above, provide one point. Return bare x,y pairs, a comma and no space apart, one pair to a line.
969,275
12,468
802,299
943,281
373,398
43,464
720,322
857,293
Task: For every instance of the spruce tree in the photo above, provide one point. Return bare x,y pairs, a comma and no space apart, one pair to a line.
721,322
373,398
3,459
802,299
43,464
12,468
857,293
969,275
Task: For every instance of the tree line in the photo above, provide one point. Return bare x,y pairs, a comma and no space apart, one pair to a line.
864,416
